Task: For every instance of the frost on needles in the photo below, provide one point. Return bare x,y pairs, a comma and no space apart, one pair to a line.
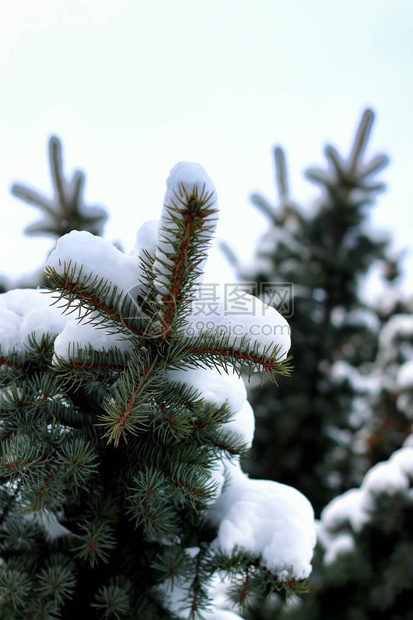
123,421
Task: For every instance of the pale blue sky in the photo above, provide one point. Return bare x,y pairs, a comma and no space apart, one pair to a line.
133,87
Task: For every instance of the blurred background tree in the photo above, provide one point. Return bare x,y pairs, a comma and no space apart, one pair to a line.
65,211
307,432
344,418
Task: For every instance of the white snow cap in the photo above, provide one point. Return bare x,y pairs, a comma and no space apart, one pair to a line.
185,180
397,331
24,312
267,519
342,544
355,507
392,476
243,424
146,239
50,522
96,256
218,387
250,319
82,335
346,508
215,386
404,378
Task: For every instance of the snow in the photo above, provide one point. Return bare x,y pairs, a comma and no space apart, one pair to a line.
344,509
408,442
355,507
218,387
186,179
392,297
269,520
93,256
338,316
399,327
146,239
363,317
394,475
243,424
218,476
82,335
175,596
404,376
219,587
252,324
24,312
51,524
340,545
215,387
343,371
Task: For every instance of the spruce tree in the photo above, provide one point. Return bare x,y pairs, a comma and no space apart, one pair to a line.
314,262
363,565
123,418
363,562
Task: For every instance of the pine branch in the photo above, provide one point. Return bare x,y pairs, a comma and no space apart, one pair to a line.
95,542
184,240
71,417
277,213
265,207
86,368
126,406
351,173
200,599
240,353
97,300
229,253
281,175
12,364
360,142
13,494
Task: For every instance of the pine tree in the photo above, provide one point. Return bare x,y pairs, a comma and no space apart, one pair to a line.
314,262
64,212
123,418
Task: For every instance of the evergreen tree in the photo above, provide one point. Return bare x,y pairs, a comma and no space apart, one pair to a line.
390,399
64,212
363,566
361,351
319,256
363,562
123,418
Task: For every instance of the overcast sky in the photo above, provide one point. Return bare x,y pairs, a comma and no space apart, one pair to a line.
132,87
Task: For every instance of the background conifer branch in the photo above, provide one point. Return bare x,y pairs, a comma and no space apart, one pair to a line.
66,210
